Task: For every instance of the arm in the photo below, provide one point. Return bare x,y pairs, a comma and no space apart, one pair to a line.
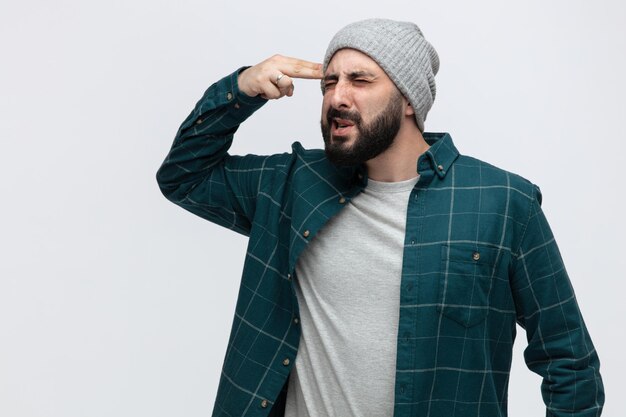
198,173
559,347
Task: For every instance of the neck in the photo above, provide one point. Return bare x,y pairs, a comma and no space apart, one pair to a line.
399,162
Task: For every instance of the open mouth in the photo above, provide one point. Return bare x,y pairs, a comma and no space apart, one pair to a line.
341,127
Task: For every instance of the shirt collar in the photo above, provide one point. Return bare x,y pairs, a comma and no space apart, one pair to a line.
441,154
439,157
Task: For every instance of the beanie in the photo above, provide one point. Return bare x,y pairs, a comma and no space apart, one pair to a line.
400,49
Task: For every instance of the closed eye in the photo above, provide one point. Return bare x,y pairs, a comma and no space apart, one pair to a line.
327,85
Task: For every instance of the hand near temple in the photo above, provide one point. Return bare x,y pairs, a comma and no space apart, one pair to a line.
273,78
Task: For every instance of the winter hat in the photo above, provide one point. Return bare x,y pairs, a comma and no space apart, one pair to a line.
400,49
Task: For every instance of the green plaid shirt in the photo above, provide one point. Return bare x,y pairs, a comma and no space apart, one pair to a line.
478,258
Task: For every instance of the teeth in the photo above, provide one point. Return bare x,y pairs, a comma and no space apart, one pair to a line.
340,124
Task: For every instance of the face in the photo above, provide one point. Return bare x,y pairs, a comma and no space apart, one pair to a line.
362,110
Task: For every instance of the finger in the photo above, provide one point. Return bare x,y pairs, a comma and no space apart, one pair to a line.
297,71
284,83
278,78
302,62
271,91
298,68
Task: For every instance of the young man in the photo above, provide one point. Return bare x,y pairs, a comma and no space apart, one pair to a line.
385,275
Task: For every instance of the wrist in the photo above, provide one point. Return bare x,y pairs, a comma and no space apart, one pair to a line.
241,83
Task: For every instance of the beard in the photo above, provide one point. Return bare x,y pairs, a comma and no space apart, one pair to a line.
372,138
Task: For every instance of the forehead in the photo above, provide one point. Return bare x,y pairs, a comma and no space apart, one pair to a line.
346,61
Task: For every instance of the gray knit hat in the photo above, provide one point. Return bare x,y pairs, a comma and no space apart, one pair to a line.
401,51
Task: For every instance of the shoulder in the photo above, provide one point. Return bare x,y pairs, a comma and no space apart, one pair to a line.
470,171
466,172
313,159
494,189
306,154
312,166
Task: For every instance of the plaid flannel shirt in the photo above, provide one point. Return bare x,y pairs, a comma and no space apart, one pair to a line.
478,258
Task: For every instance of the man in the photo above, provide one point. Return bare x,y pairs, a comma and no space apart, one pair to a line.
384,276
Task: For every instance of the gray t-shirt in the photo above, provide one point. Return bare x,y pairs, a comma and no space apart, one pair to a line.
348,289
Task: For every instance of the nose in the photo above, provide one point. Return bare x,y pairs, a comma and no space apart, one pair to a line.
339,96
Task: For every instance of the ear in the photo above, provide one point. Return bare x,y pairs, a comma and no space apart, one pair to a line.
408,110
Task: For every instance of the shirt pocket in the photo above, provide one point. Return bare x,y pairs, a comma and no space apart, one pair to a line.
465,282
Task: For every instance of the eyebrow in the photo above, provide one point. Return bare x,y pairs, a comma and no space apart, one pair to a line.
351,75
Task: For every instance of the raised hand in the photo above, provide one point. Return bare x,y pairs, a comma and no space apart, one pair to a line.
273,78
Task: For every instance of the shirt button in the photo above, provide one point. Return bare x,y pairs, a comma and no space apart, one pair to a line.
286,362
229,96
342,200
199,121
236,105
264,403
296,320
306,233
289,277
440,167
475,256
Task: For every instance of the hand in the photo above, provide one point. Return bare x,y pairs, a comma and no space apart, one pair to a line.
273,78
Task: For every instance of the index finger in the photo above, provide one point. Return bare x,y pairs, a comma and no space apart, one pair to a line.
299,68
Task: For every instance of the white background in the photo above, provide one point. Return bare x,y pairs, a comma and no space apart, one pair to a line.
114,302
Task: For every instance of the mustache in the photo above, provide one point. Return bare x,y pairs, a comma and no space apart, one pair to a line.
353,116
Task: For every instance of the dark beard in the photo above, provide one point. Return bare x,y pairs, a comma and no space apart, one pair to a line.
372,139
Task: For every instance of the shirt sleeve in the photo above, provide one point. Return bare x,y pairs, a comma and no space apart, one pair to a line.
199,175
559,347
